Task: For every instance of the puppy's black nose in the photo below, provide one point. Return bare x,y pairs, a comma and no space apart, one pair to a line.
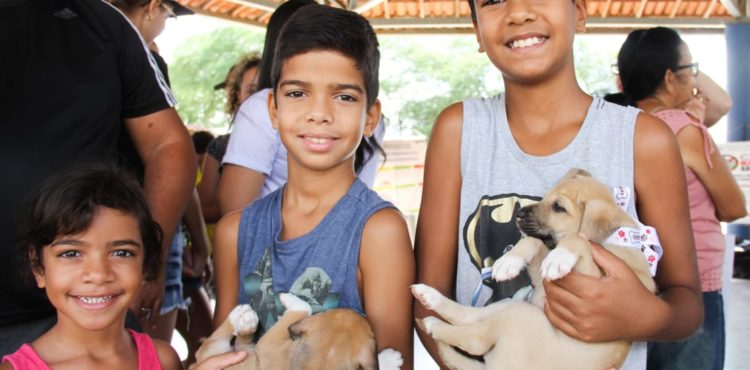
523,212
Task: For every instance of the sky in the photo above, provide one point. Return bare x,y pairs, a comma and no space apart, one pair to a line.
707,49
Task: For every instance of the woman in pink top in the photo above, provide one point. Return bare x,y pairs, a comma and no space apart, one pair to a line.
658,75
90,242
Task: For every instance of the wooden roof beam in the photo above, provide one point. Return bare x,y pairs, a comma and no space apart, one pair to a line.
605,9
735,8
675,9
641,8
264,5
367,6
710,9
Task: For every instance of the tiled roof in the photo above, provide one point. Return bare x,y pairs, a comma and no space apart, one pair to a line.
454,16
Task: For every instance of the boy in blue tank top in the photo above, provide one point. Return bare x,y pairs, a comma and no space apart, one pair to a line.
488,157
324,236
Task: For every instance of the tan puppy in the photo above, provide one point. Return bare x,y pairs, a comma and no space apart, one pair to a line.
335,339
513,334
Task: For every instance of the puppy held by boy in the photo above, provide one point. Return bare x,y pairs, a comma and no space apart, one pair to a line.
515,334
335,339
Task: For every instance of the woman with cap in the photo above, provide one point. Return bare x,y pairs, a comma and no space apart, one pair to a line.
240,83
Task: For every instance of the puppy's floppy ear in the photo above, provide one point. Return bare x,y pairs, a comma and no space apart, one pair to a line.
297,330
600,219
574,173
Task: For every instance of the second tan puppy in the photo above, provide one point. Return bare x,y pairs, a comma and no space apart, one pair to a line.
338,339
514,334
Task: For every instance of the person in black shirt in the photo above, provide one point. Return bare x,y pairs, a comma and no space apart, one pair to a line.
73,73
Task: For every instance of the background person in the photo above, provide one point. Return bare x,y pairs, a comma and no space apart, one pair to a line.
658,75
240,83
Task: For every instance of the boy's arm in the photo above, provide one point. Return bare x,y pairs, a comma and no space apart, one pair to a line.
226,266
238,187
199,246
386,264
437,229
617,306
208,188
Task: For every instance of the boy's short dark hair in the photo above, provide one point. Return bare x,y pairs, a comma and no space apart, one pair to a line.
321,27
66,205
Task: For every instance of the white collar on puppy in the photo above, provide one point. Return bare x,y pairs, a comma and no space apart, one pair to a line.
644,237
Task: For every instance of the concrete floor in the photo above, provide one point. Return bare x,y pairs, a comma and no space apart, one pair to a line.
737,299
738,325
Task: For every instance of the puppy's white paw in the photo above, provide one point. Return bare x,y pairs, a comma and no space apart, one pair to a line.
507,267
428,323
390,359
293,303
558,263
427,295
244,320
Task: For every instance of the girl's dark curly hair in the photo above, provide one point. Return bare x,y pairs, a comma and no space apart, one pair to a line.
67,203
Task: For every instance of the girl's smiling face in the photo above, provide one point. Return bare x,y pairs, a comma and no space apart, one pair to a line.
320,109
92,277
529,39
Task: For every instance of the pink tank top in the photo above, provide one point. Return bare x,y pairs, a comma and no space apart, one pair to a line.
27,359
709,241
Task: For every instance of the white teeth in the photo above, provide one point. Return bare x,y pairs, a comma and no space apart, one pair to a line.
95,300
318,140
524,43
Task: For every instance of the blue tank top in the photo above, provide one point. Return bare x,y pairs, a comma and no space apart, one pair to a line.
319,267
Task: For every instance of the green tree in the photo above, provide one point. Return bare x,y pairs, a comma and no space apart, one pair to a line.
594,67
421,78
201,62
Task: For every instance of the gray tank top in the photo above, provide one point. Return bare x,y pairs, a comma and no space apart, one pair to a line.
498,178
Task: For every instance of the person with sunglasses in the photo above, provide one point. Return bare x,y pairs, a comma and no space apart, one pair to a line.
657,74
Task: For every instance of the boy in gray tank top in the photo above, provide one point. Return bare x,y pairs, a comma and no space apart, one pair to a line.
488,157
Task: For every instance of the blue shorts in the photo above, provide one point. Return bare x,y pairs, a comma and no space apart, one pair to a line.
704,350
173,299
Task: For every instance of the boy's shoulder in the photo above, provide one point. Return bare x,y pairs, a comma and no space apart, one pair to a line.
362,194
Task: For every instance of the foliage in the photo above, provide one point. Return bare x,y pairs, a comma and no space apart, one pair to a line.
420,76
593,68
201,62
418,81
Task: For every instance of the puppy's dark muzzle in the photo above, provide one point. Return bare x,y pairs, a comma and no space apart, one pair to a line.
530,226
526,222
